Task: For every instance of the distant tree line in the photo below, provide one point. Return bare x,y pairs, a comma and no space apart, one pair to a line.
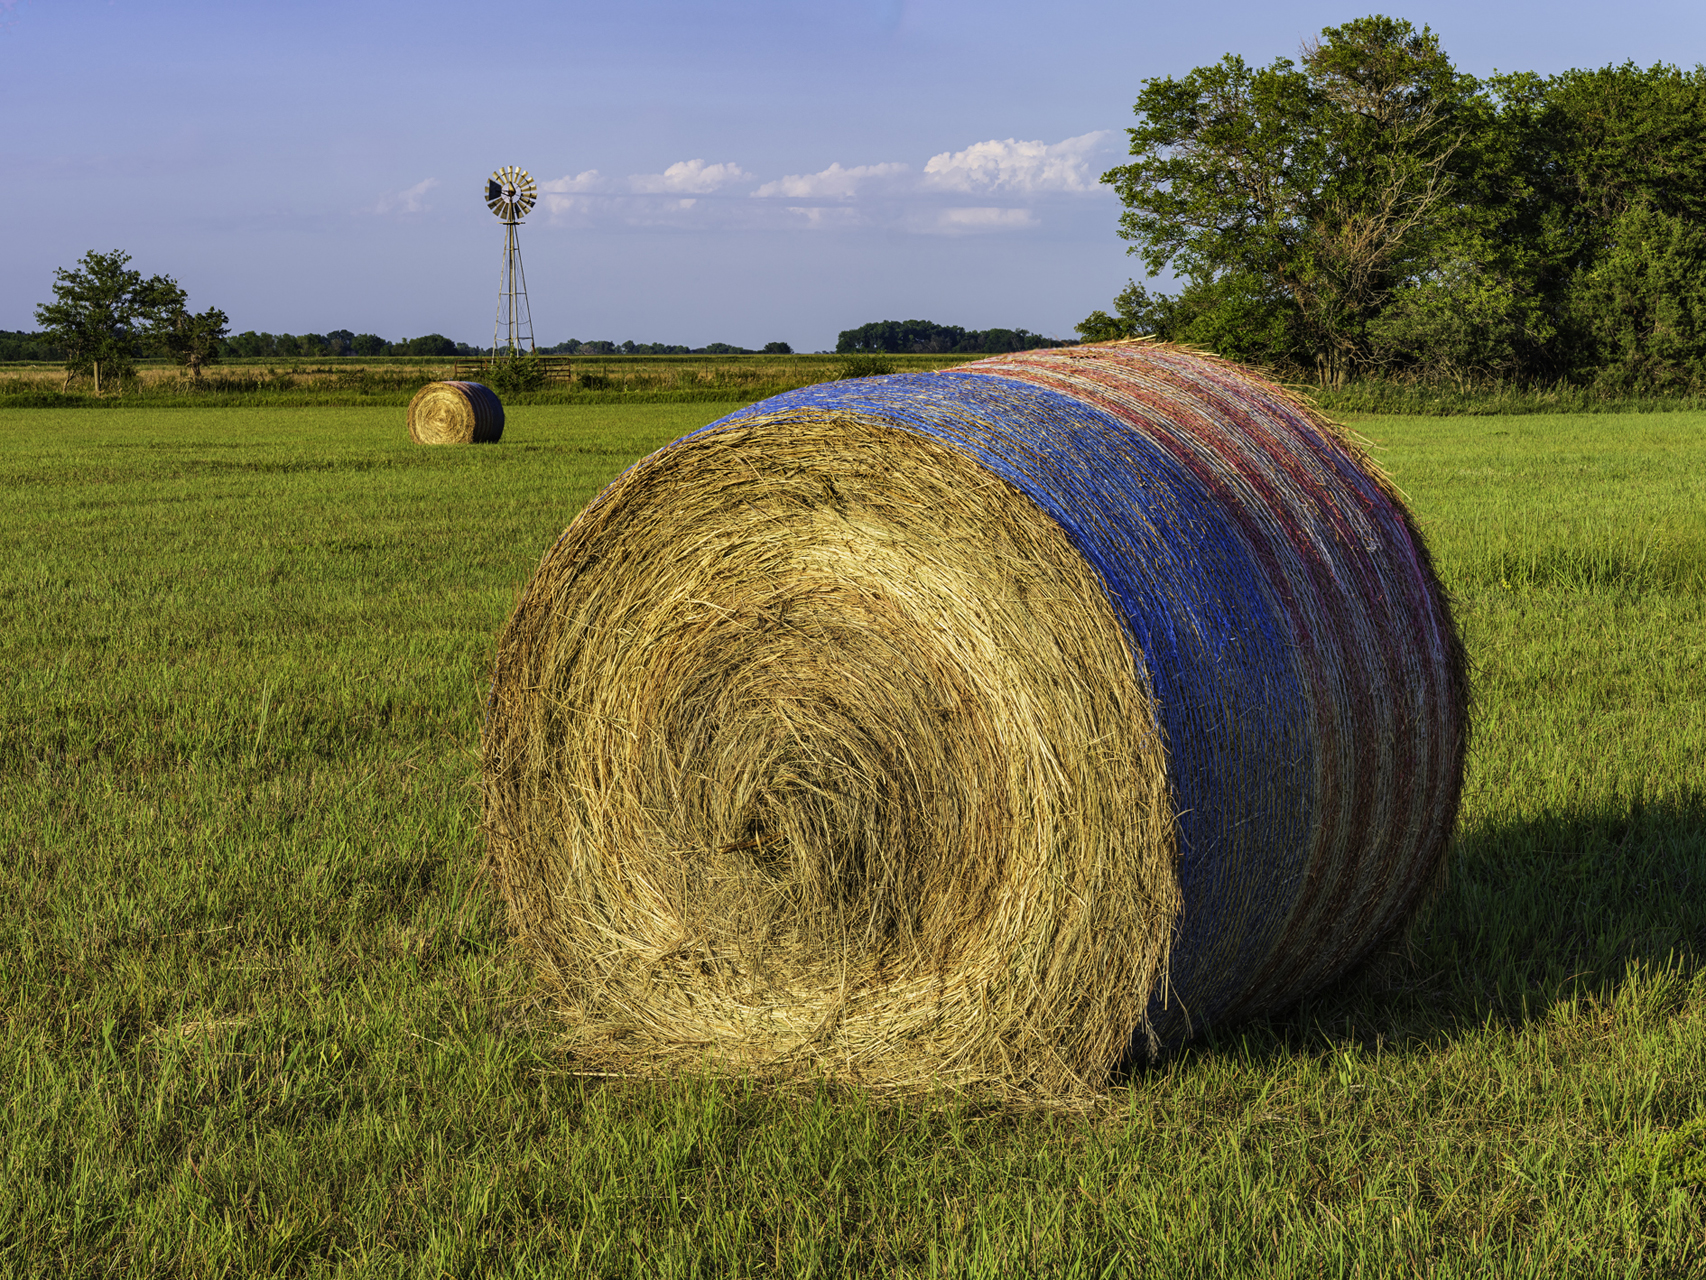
897,337
105,316
15,344
1370,209
250,345
575,347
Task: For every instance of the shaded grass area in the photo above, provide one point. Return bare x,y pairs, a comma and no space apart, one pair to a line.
260,1015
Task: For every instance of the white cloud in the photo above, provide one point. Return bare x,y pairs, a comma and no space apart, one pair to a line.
569,195
684,177
641,199
693,176
412,200
959,222
586,180
1024,167
831,183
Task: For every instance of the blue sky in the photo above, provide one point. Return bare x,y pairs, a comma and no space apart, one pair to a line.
741,172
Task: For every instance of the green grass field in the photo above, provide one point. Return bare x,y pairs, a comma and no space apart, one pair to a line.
260,1015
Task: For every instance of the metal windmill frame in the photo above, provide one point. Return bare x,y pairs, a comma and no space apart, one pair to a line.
510,193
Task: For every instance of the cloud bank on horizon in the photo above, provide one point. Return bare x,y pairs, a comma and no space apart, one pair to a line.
926,201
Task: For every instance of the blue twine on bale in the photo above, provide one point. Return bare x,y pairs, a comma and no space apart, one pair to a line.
1214,624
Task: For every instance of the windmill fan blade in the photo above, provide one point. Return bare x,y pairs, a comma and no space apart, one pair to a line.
511,193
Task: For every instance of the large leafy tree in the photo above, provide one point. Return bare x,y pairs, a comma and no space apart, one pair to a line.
1369,208
102,311
1305,193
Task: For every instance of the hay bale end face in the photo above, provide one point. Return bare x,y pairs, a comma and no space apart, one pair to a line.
456,413
967,725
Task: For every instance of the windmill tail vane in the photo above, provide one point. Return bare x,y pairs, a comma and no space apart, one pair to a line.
510,194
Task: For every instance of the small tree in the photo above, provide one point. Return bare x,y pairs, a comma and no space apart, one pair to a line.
102,310
511,374
431,344
193,340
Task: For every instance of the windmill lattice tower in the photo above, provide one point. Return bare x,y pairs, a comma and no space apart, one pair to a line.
510,194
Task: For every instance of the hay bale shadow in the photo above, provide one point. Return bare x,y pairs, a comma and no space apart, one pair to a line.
1538,913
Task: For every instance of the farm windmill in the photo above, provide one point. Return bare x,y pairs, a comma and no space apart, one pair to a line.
510,193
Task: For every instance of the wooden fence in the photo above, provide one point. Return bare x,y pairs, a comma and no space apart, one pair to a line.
475,369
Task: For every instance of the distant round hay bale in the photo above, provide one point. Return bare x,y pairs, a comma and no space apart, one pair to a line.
455,413
967,725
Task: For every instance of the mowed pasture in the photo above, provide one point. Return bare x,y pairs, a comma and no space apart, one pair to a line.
261,1015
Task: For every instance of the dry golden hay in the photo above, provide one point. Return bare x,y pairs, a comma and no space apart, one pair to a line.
972,726
455,413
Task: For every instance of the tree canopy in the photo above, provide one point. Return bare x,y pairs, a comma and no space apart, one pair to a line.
102,311
1370,208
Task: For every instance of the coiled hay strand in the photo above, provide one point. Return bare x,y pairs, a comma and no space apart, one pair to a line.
960,726
455,413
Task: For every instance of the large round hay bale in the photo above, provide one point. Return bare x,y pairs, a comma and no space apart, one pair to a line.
967,725
455,413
